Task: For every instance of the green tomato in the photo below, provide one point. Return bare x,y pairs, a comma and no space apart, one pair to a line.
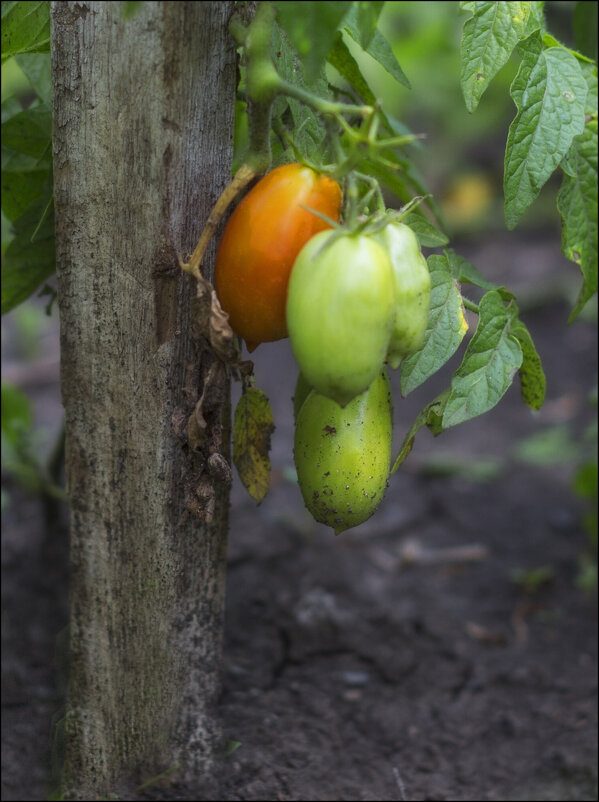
413,290
342,455
340,313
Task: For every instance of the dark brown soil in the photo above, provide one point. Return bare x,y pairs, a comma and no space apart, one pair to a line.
401,660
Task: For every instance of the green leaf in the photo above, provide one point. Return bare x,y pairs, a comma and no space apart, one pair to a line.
428,235
367,14
445,329
395,180
26,159
379,48
577,201
17,422
252,428
425,417
10,107
25,28
17,414
492,358
346,65
29,132
533,384
550,93
585,28
534,19
488,40
308,130
312,29
21,445
585,480
26,263
7,232
341,58
37,68
463,270
403,180
21,186
129,8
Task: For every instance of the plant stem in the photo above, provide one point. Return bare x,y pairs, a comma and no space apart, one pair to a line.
242,178
318,103
470,305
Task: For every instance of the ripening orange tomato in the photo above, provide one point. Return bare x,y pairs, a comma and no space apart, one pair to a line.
264,235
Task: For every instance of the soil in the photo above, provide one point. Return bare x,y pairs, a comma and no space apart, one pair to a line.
404,659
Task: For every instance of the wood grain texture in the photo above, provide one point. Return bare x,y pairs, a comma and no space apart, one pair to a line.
143,136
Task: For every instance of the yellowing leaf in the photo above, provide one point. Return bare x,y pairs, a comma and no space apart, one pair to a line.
252,427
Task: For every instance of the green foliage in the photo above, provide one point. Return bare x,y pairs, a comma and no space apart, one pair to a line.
30,256
367,17
28,253
308,129
585,486
489,38
17,416
555,93
25,28
550,93
36,67
532,377
312,29
445,330
577,198
26,159
492,358
378,47
585,28
500,347
430,416
428,235
21,445
130,8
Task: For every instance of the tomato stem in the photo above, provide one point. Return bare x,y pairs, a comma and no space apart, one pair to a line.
352,198
242,178
470,305
375,191
320,104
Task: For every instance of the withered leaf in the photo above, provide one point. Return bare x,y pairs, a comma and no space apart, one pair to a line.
252,427
221,333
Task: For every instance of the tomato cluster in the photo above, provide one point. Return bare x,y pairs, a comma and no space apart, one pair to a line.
350,302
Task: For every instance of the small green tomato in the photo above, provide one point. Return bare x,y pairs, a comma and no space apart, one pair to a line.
342,455
340,313
413,290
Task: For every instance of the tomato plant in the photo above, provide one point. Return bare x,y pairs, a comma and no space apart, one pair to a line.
260,243
305,98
